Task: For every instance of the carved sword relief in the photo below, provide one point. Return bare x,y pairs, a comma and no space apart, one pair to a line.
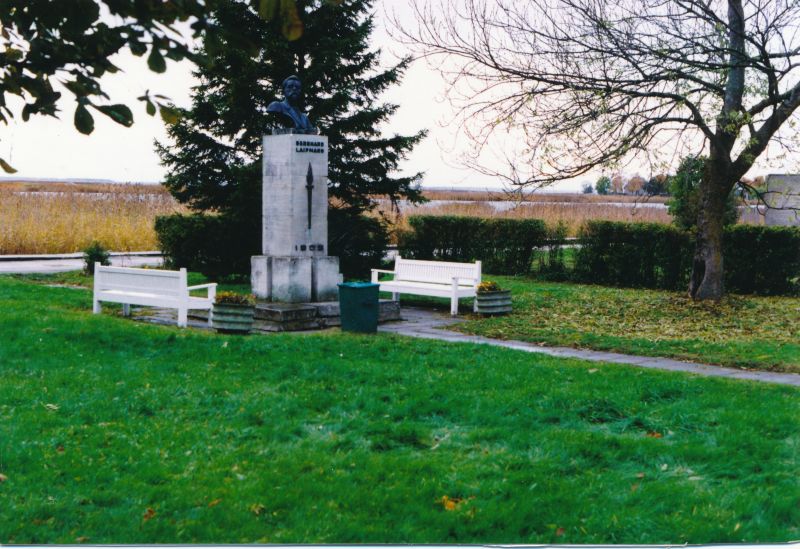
309,189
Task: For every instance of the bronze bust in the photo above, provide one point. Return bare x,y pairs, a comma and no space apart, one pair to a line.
287,114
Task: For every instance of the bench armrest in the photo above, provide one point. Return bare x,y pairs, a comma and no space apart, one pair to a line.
374,277
201,286
212,289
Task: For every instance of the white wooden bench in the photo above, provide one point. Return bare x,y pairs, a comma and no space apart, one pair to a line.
149,287
433,278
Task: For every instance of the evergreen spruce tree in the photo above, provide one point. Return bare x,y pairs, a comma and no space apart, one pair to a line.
214,159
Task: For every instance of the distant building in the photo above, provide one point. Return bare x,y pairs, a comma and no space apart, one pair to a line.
783,200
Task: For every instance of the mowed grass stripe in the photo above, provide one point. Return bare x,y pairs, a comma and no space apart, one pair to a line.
112,430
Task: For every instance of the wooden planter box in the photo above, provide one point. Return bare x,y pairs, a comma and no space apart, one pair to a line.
493,303
233,318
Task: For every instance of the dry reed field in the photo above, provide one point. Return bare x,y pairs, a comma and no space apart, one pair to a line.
65,218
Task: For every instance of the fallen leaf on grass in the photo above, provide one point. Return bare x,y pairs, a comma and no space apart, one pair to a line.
653,434
81,539
3,478
215,502
52,407
451,504
639,475
257,509
593,370
634,487
148,514
560,532
738,525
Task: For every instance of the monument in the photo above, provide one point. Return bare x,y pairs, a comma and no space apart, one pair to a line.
294,266
783,200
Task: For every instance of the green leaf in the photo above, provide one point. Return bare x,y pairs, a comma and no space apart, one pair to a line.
6,167
156,61
137,48
170,115
84,122
120,114
151,109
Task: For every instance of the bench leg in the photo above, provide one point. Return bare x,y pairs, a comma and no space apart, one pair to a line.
126,309
210,317
183,318
454,305
395,297
96,307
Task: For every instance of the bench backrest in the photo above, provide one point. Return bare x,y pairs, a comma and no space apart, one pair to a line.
166,283
441,272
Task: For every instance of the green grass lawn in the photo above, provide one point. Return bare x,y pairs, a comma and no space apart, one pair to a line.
113,430
742,331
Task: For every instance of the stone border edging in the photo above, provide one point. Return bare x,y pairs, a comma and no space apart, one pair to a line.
428,325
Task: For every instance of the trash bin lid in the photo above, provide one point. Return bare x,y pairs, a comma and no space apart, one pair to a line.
357,284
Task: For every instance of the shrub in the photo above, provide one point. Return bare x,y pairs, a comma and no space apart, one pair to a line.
360,242
633,254
551,264
505,246
95,253
221,246
216,246
762,260
684,187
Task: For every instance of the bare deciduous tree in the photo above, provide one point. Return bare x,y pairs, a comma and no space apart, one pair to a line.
593,82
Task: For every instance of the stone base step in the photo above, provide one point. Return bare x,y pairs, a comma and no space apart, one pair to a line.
296,317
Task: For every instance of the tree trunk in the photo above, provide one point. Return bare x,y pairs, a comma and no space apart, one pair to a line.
707,280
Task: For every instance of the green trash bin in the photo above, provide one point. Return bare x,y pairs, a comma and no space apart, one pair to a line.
358,306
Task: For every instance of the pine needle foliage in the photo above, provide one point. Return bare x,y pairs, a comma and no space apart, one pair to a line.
214,156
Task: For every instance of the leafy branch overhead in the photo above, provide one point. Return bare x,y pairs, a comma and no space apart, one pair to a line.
48,47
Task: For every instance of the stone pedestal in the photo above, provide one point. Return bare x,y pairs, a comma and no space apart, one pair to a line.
292,279
295,267
783,200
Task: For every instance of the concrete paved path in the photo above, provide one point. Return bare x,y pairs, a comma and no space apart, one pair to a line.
61,263
427,324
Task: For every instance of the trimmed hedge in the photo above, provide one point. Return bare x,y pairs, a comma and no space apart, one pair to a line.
504,246
762,260
213,245
758,259
221,246
645,255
